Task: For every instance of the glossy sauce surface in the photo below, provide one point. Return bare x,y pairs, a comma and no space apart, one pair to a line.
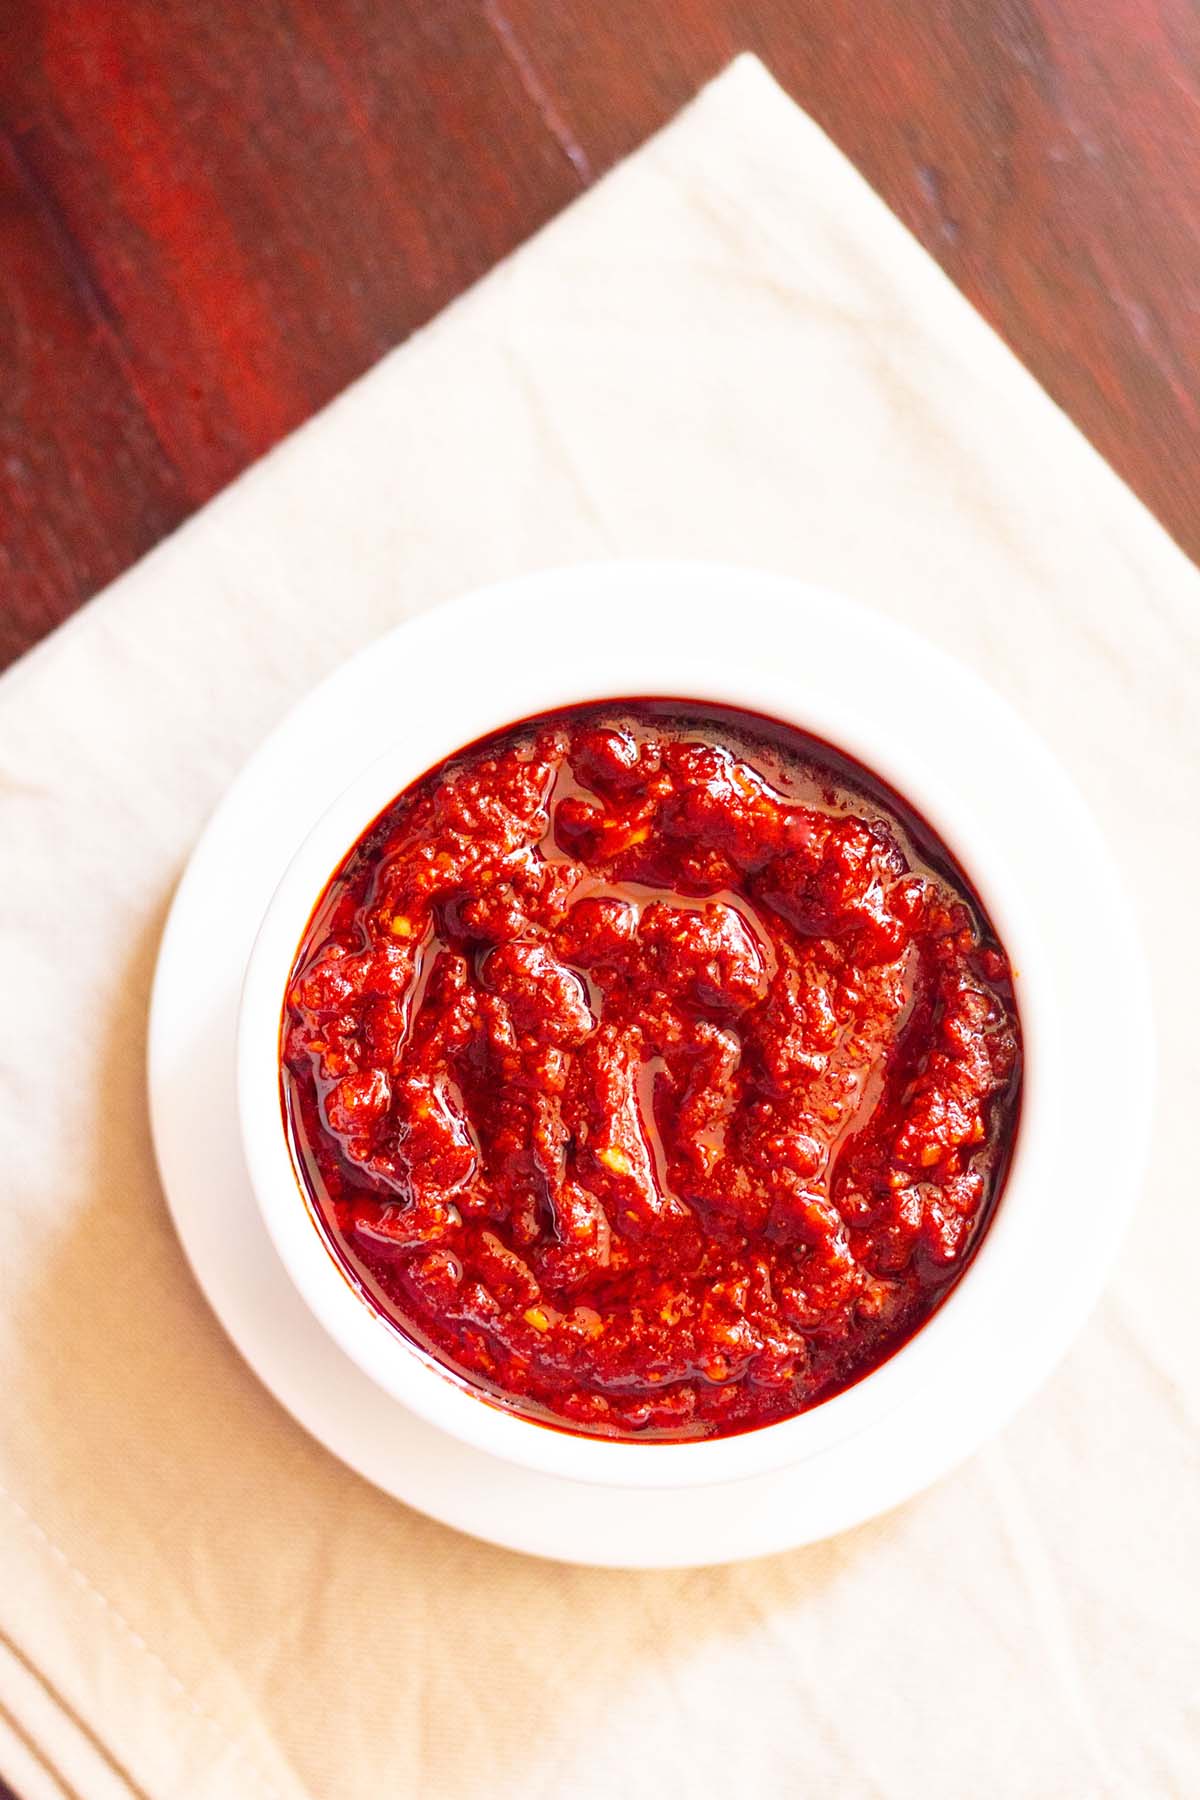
653,1066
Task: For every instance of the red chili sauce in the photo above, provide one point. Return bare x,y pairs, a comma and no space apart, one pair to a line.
654,1067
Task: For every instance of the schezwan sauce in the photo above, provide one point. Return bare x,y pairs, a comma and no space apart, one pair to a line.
653,1066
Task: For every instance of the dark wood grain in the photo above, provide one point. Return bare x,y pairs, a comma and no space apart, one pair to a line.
1047,152
214,215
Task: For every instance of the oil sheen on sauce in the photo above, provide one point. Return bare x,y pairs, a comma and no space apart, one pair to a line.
653,1066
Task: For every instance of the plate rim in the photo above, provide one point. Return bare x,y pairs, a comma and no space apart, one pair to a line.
341,681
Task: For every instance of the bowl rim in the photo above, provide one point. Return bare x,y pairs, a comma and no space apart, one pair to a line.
660,617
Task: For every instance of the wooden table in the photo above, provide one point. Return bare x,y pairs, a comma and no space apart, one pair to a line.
215,213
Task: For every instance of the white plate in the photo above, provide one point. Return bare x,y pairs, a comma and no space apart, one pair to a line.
220,903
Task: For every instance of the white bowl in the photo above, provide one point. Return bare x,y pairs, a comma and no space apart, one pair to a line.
981,780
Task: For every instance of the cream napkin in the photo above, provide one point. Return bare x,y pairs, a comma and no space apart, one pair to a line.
728,349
